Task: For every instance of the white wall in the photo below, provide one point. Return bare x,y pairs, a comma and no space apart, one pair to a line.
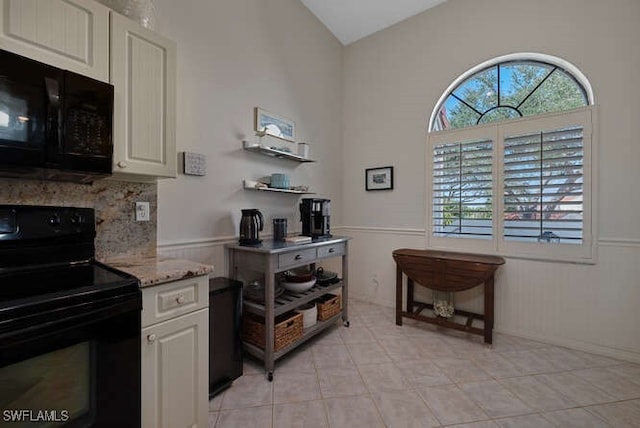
234,55
243,53
392,81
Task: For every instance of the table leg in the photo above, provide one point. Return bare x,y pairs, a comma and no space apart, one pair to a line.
488,310
410,295
398,296
269,321
345,286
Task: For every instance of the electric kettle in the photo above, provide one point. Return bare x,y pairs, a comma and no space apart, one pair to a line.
251,224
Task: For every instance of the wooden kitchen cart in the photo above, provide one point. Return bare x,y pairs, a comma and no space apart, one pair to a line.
447,272
270,258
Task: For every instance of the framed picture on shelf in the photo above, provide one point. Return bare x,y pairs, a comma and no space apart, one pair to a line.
380,178
274,125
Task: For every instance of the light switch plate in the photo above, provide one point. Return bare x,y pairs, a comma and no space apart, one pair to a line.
195,164
142,211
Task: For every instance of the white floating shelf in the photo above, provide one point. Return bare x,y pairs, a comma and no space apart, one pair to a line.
274,153
273,189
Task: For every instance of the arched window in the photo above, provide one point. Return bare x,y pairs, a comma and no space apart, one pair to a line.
511,87
511,152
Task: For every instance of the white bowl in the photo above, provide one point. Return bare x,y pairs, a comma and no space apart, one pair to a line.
298,287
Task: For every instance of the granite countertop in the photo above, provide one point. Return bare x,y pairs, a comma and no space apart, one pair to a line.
158,269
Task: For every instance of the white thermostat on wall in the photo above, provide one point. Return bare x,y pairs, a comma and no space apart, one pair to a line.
195,164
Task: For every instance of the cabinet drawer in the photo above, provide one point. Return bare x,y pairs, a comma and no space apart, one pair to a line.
296,258
172,299
331,250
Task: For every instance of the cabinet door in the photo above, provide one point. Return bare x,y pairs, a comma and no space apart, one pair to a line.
175,372
143,72
69,34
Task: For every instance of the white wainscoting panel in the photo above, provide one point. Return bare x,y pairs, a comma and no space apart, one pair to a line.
372,271
209,251
588,307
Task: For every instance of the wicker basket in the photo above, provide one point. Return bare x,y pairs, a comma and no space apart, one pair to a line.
288,329
329,306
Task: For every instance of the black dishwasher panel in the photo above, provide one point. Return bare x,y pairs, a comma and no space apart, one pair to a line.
225,336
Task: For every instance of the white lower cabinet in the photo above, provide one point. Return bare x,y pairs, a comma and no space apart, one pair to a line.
175,365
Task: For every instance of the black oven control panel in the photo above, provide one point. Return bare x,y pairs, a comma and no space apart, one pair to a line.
33,235
20,222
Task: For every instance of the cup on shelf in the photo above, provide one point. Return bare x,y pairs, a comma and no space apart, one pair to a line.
279,181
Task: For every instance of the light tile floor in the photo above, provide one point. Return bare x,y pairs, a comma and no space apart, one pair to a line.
376,374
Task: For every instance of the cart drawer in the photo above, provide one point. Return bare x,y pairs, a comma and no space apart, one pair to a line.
296,258
331,250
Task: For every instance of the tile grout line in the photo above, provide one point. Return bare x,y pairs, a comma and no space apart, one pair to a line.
467,353
324,403
364,382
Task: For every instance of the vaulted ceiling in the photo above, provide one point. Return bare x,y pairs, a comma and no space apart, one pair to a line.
351,20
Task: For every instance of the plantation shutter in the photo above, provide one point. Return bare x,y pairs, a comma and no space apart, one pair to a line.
543,186
462,187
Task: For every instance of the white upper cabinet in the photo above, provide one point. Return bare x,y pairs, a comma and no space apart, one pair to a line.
143,73
88,38
69,34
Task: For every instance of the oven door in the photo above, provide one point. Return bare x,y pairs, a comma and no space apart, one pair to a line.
81,368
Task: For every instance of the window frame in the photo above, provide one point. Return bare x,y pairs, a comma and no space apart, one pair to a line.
560,63
586,252
464,244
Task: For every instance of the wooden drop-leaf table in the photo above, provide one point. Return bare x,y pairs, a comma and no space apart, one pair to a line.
446,271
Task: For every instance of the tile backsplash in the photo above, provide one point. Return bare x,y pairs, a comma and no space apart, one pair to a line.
118,234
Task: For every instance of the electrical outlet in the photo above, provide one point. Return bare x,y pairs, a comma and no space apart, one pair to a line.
374,280
142,211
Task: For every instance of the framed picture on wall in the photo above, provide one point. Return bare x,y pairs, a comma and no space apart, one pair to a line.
274,125
380,178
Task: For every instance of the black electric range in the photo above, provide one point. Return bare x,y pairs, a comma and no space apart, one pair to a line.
69,325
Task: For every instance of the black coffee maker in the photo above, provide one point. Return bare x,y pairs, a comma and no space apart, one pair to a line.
251,224
314,214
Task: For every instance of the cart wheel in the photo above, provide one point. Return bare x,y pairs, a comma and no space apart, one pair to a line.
346,323
270,376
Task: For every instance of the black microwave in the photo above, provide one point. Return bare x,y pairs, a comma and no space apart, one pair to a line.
54,124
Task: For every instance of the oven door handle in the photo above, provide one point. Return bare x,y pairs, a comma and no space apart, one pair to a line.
26,329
